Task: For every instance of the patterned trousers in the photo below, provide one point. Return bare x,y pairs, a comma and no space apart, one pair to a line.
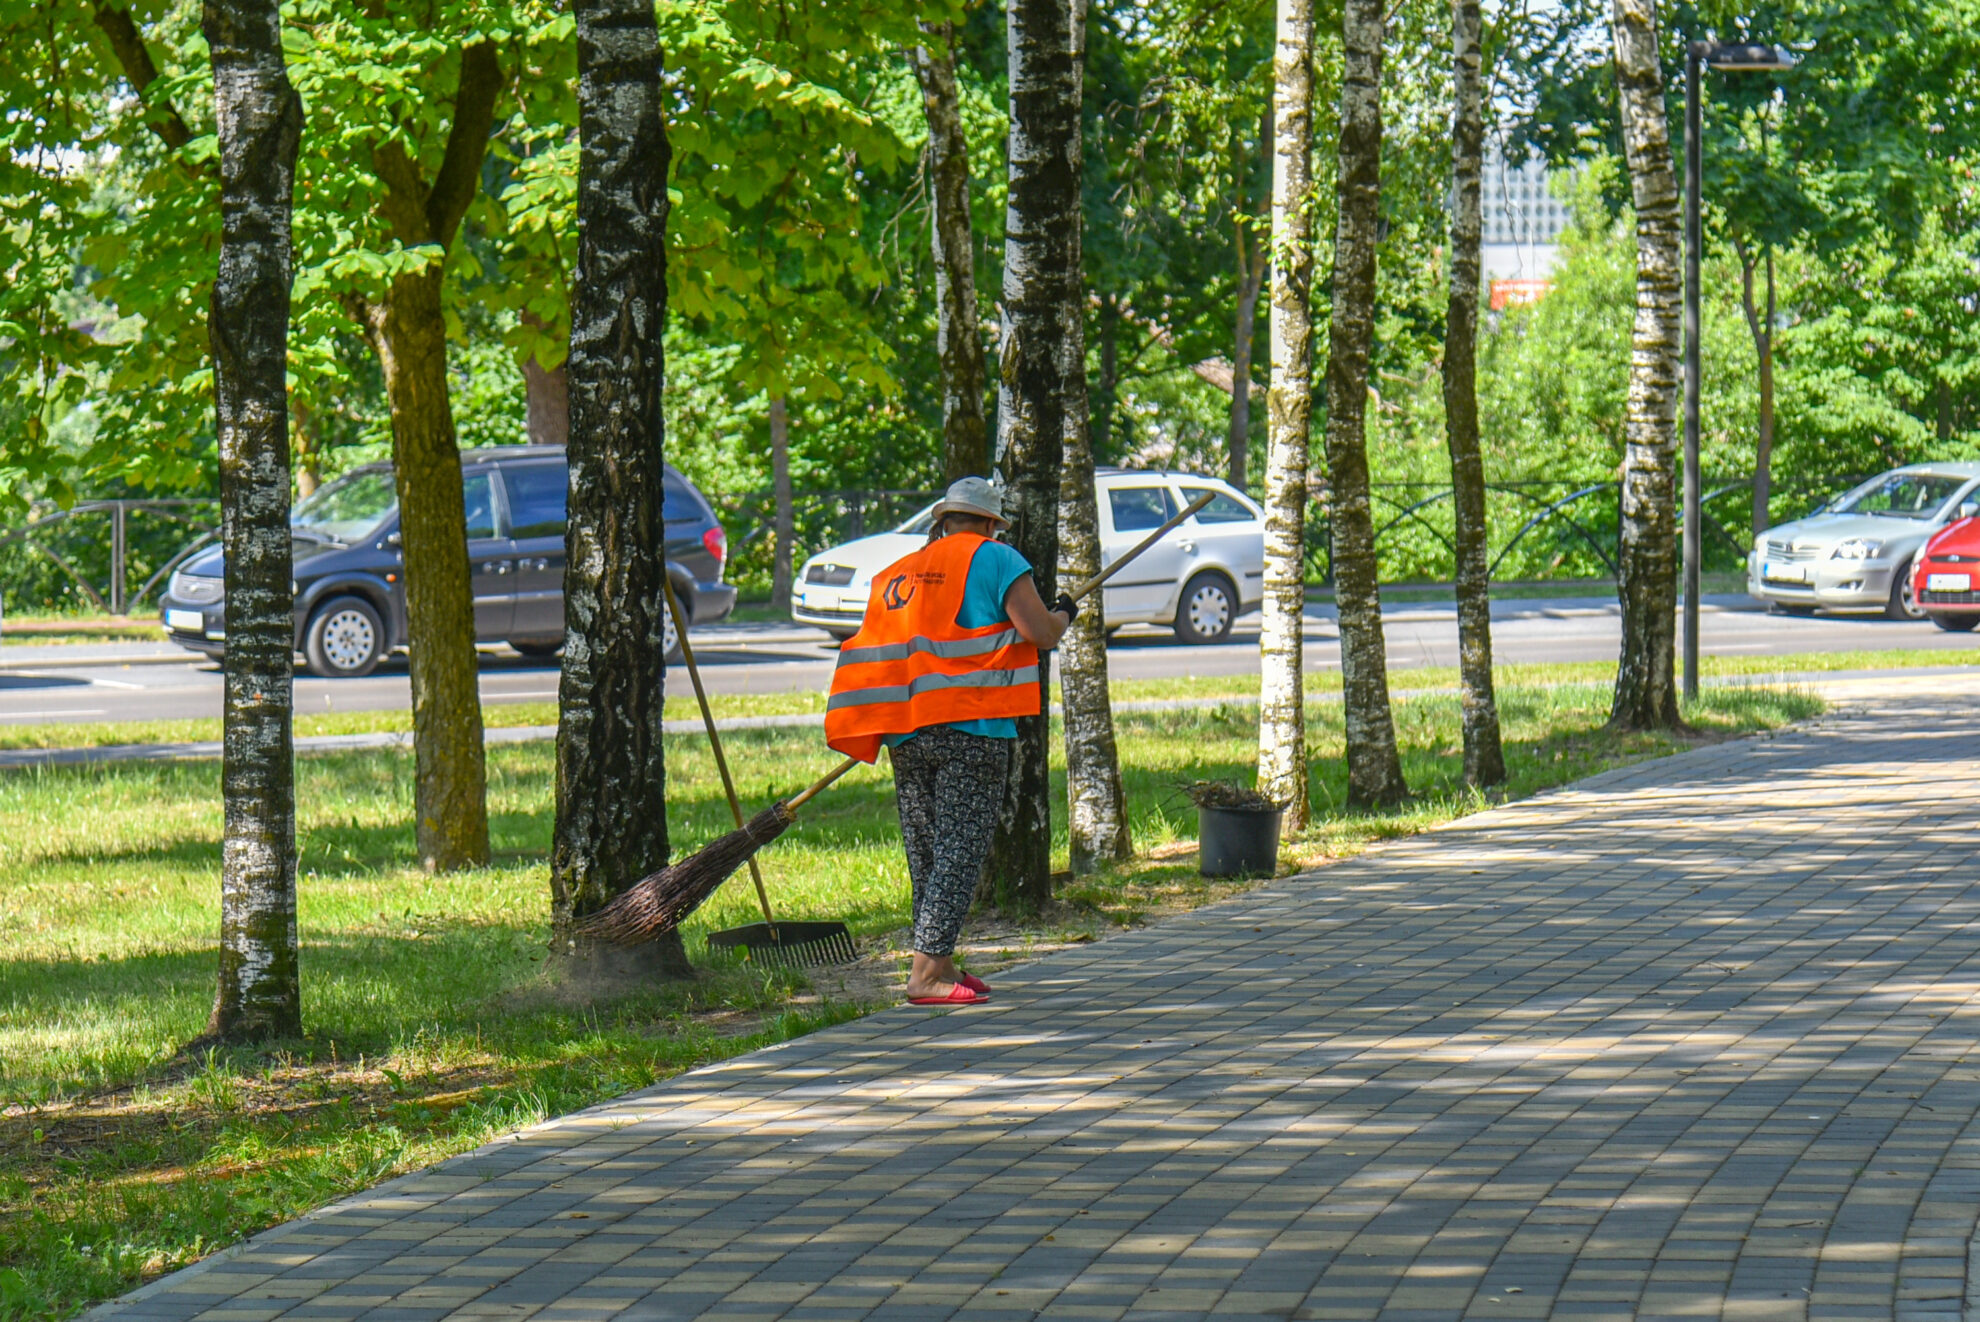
950,787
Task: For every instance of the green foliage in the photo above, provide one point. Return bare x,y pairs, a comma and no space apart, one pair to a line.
799,235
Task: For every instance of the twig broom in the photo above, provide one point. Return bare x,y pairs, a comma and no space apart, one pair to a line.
661,902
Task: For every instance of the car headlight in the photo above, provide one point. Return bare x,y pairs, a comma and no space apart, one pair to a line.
1857,548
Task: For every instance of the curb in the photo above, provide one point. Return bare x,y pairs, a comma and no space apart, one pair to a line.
94,662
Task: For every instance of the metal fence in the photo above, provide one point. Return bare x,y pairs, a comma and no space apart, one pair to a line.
98,547
1543,529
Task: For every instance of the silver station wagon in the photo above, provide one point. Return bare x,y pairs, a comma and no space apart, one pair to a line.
1855,553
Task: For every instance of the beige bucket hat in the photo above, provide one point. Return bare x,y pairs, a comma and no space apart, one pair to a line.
973,495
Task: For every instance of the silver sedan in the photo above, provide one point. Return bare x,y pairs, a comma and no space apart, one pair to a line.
1854,554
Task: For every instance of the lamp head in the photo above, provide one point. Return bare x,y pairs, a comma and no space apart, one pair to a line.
1747,57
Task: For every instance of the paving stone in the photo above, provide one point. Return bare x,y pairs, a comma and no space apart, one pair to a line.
1695,1038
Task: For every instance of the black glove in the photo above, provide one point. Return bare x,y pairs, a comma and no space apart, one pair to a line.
1068,605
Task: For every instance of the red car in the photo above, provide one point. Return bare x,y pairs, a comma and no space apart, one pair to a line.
1945,576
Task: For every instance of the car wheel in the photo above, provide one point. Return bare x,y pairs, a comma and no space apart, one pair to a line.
536,646
670,637
1207,610
345,639
1955,623
1903,605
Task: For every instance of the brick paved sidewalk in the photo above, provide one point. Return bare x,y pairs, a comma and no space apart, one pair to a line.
1697,1038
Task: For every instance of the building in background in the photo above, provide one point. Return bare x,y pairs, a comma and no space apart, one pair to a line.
1522,223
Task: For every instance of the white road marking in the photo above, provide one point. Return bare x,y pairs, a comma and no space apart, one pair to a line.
114,684
43,715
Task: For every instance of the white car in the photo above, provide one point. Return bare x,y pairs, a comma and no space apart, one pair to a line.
1197,580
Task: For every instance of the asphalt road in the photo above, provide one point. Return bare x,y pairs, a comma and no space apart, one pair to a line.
145,682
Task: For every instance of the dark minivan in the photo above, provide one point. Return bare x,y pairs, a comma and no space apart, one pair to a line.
350,575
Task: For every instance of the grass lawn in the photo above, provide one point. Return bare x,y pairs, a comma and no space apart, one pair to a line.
433,1023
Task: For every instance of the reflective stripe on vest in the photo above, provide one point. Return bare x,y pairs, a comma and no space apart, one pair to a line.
954,647
911,665
981,679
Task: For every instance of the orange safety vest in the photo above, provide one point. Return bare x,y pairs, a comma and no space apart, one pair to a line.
911,665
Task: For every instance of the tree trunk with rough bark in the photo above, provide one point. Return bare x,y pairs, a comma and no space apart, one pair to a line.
958,343
546,397
408,331
1289,408
1251,279
1253,261
1102,429
1375,778
1097,827
1042,391
1484,755
126,40
1761,325
785,516
611,825
307,454
259,118
409,334
1646,681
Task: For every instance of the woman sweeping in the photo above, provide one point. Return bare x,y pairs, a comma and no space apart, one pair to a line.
944,663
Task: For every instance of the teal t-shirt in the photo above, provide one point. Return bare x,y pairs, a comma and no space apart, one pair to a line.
992,570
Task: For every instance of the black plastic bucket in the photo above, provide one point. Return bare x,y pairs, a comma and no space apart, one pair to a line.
1238,842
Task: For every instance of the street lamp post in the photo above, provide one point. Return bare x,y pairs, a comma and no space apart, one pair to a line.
1732,57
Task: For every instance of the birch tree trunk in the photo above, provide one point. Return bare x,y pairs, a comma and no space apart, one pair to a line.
611,776
1097,829
1484,756
1646,684
1042,392
784,516
408,331
958,345
259,118
1375,778
1289,406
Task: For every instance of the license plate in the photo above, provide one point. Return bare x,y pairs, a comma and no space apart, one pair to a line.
1784,573
1948,582
186,621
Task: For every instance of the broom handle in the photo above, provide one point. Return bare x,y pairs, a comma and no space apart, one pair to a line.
1082,590
715,742
1090,584
805,796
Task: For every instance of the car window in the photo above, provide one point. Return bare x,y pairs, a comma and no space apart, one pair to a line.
349,508
536,499
680,504
1223,508
478,495
1902,496
1140,509
920,523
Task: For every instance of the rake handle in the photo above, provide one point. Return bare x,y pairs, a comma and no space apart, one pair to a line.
715,741
805,796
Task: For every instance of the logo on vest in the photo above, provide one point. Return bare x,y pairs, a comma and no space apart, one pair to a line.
892,594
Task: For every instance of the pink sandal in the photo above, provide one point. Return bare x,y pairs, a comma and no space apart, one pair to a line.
959,994
974,983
